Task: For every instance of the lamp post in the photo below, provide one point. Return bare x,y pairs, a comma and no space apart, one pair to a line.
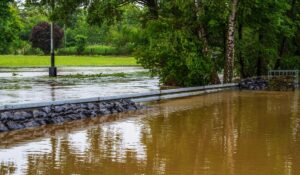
52,69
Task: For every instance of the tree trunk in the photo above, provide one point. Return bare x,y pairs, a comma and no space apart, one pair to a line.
229,61
65,36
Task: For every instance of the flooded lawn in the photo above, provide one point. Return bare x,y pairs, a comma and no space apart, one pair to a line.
227,133
23,85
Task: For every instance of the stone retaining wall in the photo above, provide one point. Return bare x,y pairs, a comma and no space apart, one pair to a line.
19,116
19,119
279,83
256,83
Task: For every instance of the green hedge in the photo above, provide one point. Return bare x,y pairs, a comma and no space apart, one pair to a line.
96,50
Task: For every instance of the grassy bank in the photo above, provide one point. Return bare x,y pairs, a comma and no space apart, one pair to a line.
44,61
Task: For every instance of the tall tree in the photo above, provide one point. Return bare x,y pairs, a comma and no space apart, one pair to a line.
230,43
9,25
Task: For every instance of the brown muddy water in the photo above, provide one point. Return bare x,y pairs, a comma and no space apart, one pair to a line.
227,133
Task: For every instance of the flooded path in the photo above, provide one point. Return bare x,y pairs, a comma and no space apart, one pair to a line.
227,133
24,85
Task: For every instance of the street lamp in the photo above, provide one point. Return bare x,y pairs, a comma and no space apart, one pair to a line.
52,69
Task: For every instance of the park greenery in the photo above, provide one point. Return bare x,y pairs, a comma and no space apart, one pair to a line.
185,43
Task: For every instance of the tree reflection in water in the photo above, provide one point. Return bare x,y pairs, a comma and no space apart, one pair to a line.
8,168
226,133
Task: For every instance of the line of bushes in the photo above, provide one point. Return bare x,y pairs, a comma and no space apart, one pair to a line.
96,50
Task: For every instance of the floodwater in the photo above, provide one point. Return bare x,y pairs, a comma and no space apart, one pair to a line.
26,85
226,133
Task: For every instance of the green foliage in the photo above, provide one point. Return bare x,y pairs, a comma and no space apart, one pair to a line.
184,42
41,36
80,44
95,50
10,25
291,63
268,31
173,54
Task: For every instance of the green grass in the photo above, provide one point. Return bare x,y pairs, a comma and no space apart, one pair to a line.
44,61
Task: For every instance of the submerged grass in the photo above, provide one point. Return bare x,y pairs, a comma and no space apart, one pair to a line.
100,75
44,61
13,87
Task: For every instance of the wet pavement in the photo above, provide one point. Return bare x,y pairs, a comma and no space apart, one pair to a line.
24,85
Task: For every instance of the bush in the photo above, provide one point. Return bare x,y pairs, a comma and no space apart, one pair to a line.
96,50
33,51
40,37
174,55
291,63
80,44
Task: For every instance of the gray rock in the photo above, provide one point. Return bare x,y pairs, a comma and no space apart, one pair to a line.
109,106
41,121
104,111
27,114
87,112
68,112
14,125
131,108
93,114
125,101
58,109
120,108
6,116
66,107
83,106
91,106
3,128
48,121
113,111
18,116
46,109
74,106
82,115
38,114
72,116
58,120
101,106
53,115
31,124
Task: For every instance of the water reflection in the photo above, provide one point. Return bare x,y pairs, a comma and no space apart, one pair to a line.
226,133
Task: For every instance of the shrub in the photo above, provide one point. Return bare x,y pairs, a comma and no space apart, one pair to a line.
80,44
41,36
173,55
96,50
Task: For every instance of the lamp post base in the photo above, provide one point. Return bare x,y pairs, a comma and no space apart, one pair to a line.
52,72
